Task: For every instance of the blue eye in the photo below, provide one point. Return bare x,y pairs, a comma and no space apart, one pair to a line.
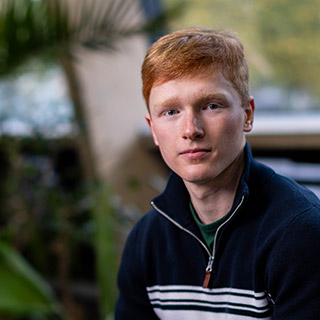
171,112
213,106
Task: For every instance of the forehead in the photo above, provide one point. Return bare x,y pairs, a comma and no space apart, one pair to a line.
191,88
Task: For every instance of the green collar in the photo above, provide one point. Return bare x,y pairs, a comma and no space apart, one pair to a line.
208,231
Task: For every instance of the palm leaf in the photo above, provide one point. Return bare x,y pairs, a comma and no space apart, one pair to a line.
52,28
30,28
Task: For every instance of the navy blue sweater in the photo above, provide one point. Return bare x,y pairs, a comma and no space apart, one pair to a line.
265,262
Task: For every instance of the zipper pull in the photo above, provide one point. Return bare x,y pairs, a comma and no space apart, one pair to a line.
208,272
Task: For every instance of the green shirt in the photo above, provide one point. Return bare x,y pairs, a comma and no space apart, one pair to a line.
208,231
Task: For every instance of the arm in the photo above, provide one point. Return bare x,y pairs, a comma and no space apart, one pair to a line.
294,270
133,302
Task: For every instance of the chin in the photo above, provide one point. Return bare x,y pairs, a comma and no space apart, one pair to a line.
198,177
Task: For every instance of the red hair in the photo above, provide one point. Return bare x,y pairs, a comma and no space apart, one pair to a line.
196,51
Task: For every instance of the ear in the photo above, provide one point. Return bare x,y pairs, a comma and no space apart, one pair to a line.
249,115
149,122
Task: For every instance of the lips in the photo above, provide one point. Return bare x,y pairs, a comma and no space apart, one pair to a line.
195,154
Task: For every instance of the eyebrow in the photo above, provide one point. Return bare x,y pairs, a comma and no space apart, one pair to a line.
167,102
212,96
198,100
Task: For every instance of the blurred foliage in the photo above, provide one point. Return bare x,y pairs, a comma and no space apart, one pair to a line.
22,290
64,228
281,37
42,218
104,243
57,30
290,41
51,28
55,212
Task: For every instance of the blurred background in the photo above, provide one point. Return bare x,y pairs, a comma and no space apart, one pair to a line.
78,166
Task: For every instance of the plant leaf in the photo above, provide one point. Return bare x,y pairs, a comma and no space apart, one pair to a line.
105,244
22,290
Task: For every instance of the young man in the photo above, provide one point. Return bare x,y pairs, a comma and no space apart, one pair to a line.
228,238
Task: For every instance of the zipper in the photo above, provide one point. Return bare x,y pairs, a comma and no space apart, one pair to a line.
225,222
208,270
211,258
181,227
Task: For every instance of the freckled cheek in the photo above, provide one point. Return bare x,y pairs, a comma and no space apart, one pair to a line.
166,139
235,121
163,133
168,143
232,125
231,129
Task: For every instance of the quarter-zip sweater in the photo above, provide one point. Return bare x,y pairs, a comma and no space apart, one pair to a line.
264,264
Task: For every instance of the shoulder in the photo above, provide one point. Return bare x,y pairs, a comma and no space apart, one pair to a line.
140,240
297,240
149,220
281,209
280,192
292,275
290,215
146,229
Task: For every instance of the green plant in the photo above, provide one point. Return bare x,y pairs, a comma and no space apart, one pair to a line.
22,290
105,246
54,31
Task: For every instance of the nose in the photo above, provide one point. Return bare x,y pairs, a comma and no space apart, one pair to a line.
192,127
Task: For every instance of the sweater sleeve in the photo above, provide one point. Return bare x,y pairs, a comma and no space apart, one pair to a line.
294,269
133,302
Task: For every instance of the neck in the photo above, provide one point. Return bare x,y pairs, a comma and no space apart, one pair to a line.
212,201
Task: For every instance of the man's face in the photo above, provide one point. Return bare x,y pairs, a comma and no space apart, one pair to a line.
199,124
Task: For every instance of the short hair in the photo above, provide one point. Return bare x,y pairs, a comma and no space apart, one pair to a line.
196,51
